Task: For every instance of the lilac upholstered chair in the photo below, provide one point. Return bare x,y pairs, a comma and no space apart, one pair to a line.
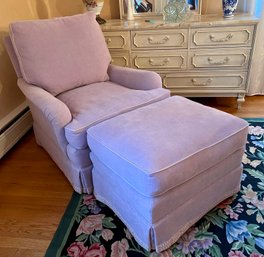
63,68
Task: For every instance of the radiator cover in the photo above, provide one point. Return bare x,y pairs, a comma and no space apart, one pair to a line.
14,130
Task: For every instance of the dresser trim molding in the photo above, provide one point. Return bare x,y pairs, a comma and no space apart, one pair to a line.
206,55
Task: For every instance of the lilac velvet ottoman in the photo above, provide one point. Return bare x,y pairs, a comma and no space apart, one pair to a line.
162,167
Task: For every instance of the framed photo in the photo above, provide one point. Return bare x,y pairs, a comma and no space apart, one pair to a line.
192,4
145,8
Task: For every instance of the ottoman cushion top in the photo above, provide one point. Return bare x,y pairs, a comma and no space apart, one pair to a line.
160,146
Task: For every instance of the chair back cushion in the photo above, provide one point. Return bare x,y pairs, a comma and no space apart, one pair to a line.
62,53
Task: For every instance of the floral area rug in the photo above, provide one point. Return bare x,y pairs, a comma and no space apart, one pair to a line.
235,228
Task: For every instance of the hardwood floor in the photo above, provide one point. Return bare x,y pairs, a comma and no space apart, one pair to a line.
33,197
252,108
34,193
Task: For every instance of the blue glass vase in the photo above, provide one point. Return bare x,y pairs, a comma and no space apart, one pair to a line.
229,7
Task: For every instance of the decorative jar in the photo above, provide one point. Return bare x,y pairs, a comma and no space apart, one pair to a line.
95,6
229,7
175,10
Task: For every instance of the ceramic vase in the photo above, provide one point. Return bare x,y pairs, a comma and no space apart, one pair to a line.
130,8
229,7
95,6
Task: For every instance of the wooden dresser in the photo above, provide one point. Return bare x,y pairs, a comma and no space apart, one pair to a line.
205,56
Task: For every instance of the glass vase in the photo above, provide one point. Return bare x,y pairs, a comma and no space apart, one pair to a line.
175,10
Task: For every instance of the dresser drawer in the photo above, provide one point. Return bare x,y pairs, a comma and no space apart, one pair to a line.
120,59
203,81
220,58
240,35
159,60
117,40
159,39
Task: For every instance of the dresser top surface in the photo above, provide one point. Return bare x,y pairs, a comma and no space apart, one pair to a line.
193,22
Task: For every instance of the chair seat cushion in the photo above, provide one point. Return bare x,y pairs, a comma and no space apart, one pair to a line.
178,140
97,102
62,53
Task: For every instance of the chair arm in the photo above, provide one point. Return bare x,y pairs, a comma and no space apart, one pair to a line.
133,78
51,114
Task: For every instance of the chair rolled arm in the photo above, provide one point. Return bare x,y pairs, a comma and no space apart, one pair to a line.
48,111
133,78
53,109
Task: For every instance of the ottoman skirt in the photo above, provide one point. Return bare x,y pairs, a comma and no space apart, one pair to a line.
158,222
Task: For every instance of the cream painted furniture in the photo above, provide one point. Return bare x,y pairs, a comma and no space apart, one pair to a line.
205,56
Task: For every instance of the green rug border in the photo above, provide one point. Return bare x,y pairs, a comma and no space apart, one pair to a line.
63,230
59,239
254,119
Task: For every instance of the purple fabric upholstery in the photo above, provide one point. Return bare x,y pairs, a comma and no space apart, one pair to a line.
152,208
134,79
67,57
162,164
160,235
68,49
78,175
151,174
92,104
50,116
79,157
47,111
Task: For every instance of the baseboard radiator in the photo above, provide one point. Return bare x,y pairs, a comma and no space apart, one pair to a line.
14,129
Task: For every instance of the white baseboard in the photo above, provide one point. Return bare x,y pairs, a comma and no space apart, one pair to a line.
13,114
10,136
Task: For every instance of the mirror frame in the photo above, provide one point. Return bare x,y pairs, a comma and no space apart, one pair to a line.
158,6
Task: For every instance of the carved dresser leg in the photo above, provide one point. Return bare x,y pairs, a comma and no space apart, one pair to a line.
240,100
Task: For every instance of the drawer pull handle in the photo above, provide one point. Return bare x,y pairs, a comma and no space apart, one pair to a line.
225,39
211,61
162,42
108,41
206,83
162,63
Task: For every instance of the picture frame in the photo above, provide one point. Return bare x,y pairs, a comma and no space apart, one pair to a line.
153,8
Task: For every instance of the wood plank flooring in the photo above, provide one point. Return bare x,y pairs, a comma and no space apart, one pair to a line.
34,193
33,197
